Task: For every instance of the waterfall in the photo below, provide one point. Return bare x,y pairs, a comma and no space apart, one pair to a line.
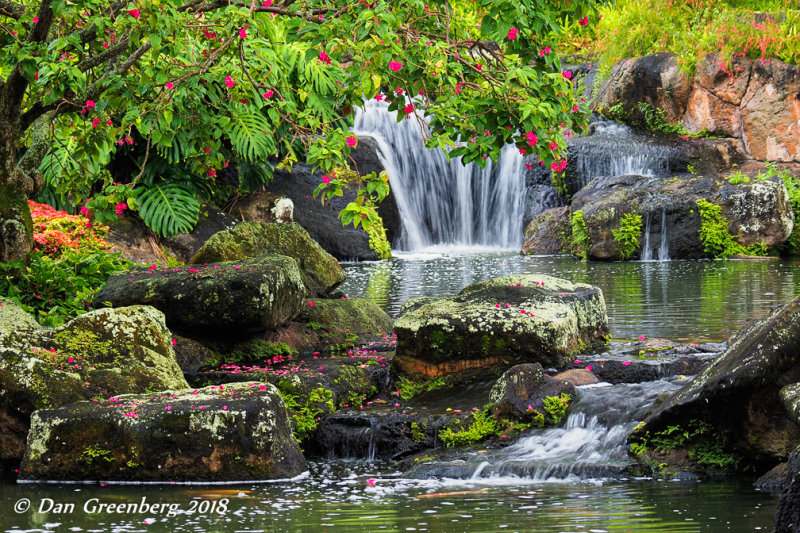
615,150
662,252
441,202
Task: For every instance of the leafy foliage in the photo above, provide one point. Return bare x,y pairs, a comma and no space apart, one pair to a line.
715,234
628,234
304,415
581,240
169,209
482,425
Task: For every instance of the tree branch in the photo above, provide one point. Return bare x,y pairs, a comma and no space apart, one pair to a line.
11,9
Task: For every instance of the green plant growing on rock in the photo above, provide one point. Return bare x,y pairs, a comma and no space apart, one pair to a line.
417,433
304,415
94,452
556,407
716,237
628,234
256,351
482,426
581,241
409,388
738,177
698,437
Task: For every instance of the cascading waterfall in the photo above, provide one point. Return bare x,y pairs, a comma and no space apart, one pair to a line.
441,202
662,252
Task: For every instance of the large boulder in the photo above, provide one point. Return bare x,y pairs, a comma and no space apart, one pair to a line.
521,391
255,294
322,221
549,233
101,353
738,395
235,432
757,212
321,273
507,320
333,323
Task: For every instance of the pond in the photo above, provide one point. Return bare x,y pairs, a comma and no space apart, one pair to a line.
681,300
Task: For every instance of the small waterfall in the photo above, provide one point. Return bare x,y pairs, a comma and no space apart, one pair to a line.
646,253
441,202
662,252
663,249
615,150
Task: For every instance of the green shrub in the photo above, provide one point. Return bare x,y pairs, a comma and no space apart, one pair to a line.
628,234
581,241
482,426
716,237
304,415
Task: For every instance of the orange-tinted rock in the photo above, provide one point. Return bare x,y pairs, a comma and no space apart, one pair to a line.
577,376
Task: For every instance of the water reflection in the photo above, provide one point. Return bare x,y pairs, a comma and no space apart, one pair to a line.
681,300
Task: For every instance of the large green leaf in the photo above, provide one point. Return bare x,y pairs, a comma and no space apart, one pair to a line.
169,208
251,136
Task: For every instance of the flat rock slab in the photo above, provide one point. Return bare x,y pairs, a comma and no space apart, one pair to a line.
250,295
500,322
239,431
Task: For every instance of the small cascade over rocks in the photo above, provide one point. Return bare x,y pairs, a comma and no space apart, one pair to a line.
649,251
447,203
592,442
614,149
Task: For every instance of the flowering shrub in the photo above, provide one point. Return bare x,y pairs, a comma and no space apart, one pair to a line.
55,232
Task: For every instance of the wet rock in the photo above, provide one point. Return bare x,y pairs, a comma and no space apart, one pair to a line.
577,377
101,353
521,390
322,222
738,394
615,371
255,294
321,273
264,207
787,517
483,326
549,233
758,212
336,322
774,480
239,432
191,355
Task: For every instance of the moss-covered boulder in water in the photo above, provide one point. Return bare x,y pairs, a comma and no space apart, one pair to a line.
239,431
521,391
102,353
739,395
504,321
320,271
251,295
334,322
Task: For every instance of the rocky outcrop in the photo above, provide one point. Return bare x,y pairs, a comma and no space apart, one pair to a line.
250,295
321,273
507,320
334,322
130,237
520,393
755,102
549,233
757,212
235,432
321,221
98,354
738,394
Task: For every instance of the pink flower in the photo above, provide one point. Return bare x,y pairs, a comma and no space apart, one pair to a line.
90,104
134,13
267,3
119,209
230,82
512,33
567,74
395,66
311,304
95,122
584,21
35,20
588,367
262,387
532,138
553,145
641,337
371,482
408,109
268,94
626,363
326,179
379,97
169,85
168,408
352,141
575,108
323,57
242,34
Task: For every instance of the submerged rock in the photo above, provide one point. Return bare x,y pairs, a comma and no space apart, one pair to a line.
236,432
484,326
254,294
738,394
520,392
101,353
321,273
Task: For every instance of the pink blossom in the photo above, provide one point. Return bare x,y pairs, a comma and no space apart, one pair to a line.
553,145
119,209
311,304
35,20
90,104
626,363
134,13
326,179
395,66
575,108
95,122
567,74
267,3
408,109
641,337
584,21
352,141
323,57
230,82
169,85
588,367
268,94
379,97
512,33
242,34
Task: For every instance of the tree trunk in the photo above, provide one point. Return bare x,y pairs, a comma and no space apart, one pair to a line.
16,229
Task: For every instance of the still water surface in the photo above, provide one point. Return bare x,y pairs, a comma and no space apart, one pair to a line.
681,300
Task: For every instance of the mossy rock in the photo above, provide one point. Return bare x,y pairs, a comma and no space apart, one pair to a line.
239,431
320,271
484,326
251,295
520,392
14,321
334,324
101,353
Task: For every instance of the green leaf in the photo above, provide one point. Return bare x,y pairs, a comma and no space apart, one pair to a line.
169,209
